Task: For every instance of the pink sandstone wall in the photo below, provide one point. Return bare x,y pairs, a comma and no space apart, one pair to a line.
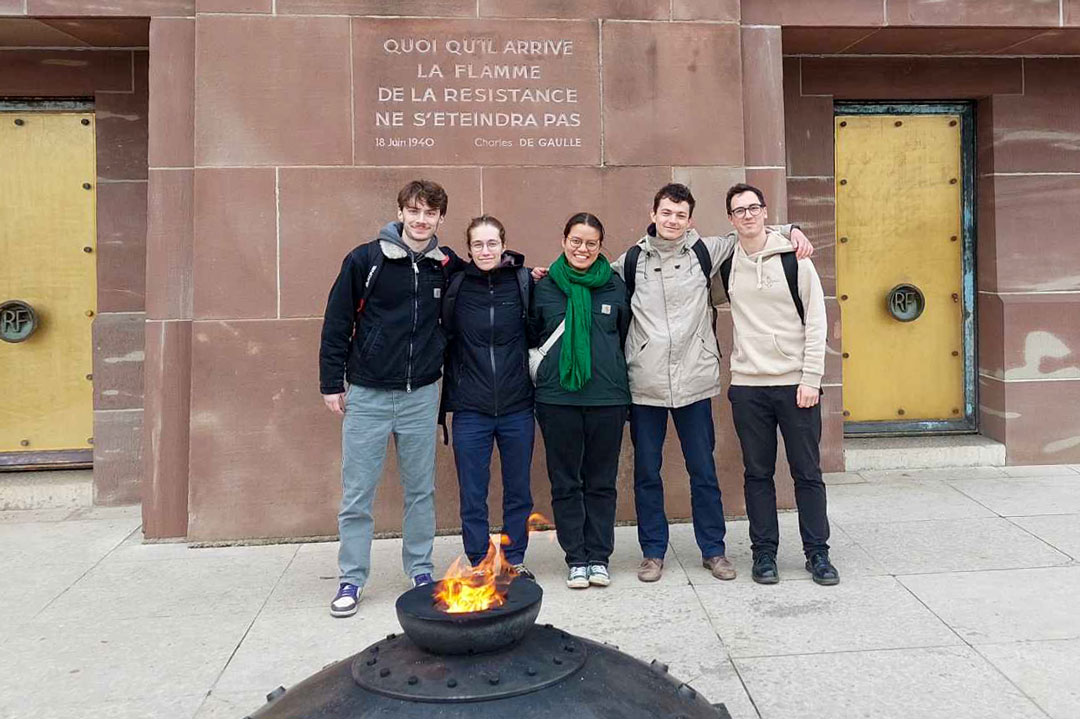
261,177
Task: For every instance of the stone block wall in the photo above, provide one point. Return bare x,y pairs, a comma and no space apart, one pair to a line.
263,172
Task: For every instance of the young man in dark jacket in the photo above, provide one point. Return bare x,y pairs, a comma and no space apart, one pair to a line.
381,334
487,387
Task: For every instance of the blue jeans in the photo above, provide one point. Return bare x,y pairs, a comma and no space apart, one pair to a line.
474,437
371,416
694,424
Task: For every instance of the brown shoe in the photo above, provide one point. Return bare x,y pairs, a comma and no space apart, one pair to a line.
650,569
720,567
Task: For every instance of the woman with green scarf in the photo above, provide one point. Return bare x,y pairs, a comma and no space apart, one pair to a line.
582,395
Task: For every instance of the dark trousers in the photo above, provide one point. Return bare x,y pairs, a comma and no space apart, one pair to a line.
757,412
474,437
694,425
582,446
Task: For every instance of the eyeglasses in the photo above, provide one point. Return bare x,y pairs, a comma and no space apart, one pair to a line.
752,210
477,246
577,242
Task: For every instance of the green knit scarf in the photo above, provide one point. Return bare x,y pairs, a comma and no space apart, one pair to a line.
575,357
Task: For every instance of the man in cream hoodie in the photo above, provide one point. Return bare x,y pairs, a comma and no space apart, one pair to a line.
674,369
777,361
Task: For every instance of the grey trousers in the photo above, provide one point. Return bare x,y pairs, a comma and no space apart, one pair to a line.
371,416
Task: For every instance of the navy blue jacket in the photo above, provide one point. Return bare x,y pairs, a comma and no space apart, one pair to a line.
396,340
487,367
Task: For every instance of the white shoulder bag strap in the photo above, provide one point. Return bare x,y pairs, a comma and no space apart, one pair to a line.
555,335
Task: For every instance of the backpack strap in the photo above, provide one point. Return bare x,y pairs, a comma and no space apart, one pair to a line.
630,269
449,299
524,283
791,272
374,257
704,260
725,274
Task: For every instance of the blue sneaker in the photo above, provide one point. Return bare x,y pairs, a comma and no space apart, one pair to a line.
421,579
344,604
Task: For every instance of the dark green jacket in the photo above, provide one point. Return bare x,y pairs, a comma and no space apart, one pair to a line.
611,320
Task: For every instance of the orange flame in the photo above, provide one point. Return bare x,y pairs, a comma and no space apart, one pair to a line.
474,589
539,523
465,588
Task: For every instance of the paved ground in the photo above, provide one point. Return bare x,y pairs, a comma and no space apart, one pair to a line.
959,599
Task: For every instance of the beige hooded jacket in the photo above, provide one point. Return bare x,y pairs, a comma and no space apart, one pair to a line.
671,353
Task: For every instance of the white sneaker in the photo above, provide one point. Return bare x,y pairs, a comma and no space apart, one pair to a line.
598,575
578,578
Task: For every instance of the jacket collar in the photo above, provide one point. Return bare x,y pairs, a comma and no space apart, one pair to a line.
396,252
509,260
646,242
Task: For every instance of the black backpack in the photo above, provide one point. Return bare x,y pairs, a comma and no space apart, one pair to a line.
791,273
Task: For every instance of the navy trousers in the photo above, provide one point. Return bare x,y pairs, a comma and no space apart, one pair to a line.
694,424
475,435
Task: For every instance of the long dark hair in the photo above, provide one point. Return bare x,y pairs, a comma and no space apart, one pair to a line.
584,218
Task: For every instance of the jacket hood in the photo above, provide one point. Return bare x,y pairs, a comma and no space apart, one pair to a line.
509,260
775,244
394,248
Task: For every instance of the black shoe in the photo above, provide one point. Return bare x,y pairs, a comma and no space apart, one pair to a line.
523,571
764,570
821,569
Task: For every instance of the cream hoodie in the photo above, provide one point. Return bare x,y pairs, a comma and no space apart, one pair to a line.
771,346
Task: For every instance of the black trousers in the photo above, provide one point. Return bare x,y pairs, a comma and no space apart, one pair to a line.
757,412
582,445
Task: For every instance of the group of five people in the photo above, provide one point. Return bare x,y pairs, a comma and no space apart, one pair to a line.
632,338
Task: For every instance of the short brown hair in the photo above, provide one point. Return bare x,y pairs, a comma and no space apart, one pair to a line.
480,222
430,193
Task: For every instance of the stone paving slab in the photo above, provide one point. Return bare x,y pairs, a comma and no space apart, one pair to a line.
98,624
1040,470
802,617
1004,606
850,559
1021,497
149,660
68,542
931,683
180,706
1046,671
1061,531
953,545
936,474
901,501
190,587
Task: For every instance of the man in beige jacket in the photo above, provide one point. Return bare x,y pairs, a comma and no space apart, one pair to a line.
674,368
777,360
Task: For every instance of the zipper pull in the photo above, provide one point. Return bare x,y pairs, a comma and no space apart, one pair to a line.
408,386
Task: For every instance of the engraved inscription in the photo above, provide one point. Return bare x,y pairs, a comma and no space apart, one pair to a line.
467,92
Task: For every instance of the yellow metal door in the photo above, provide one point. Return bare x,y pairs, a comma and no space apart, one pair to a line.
899,266
47,263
